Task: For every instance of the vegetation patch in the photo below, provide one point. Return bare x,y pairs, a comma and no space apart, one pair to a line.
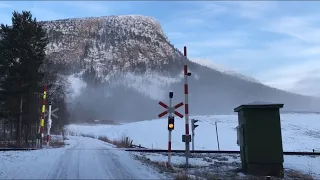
293,174
182,176
87,135
160,166
123,142
222,167
57,143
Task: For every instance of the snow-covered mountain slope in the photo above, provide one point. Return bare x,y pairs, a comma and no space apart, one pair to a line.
140,66
113,44
214,66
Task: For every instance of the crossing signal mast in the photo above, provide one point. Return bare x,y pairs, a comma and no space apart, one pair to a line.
193,126
171,110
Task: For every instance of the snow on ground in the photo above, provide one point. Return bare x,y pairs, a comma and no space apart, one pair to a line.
307,164
299,132
83,158
176,160
31,164
229,162
304,163
56,137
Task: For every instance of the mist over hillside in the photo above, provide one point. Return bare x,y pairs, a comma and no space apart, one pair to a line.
125,65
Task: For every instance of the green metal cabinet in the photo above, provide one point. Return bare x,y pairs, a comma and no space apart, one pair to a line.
259,138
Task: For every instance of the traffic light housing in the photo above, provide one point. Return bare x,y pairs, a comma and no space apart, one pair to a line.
170,123
193,121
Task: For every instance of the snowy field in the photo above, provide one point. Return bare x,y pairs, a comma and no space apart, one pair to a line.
299,132
225,165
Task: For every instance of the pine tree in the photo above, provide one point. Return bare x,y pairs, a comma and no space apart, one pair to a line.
22,52
91,78
56,93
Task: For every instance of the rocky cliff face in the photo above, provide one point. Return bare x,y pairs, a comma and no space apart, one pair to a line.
114,43
139,66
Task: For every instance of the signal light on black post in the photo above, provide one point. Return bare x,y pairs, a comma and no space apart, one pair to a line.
170,123
193,121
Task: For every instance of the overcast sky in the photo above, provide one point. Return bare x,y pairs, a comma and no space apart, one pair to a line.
277,43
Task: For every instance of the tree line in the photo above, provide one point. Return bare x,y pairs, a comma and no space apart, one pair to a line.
24,70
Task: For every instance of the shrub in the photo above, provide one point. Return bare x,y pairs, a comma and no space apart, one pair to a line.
123,142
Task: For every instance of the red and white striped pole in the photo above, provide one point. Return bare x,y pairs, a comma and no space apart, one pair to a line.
43,110
186,105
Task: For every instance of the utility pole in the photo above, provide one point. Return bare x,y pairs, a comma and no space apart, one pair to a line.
217,135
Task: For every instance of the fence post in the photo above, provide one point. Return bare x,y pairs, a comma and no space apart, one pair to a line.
217,135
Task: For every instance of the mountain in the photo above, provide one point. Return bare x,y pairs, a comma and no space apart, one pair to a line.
222,69
139,66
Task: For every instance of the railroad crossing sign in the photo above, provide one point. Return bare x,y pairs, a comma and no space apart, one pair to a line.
52,113
170,109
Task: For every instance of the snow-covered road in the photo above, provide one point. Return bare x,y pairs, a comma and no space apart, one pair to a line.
84,158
